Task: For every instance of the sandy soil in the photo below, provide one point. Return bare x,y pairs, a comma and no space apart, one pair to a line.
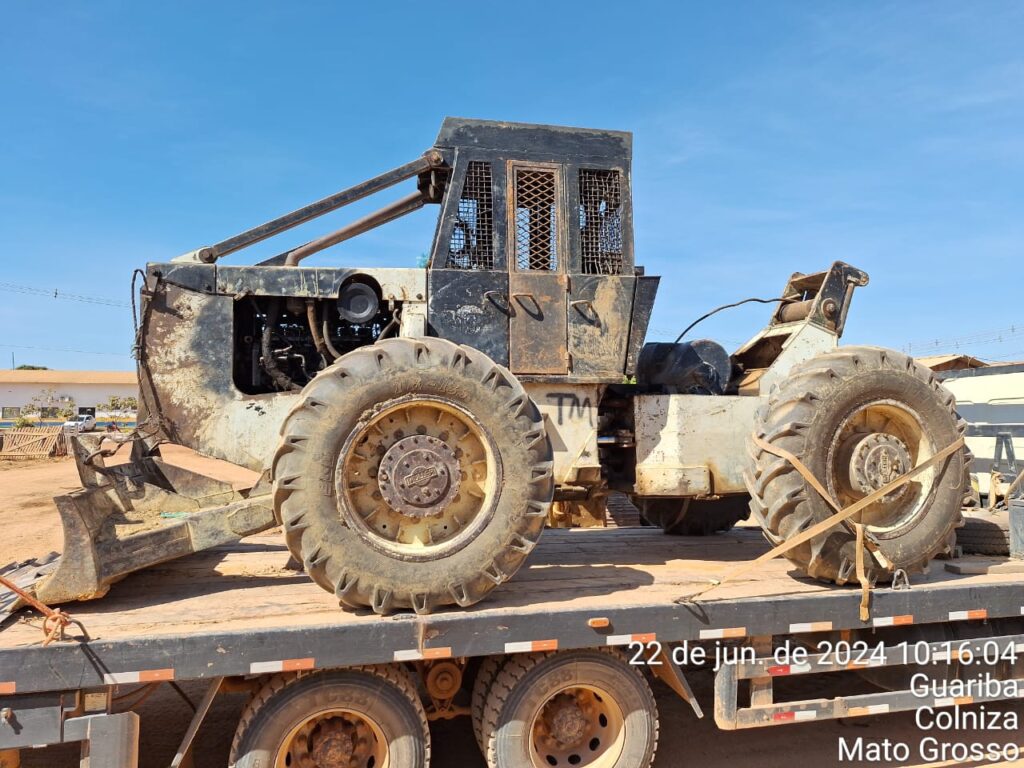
31,527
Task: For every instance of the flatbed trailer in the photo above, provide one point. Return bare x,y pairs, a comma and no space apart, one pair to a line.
235,615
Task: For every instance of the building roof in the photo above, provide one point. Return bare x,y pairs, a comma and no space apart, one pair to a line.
951,362
68,377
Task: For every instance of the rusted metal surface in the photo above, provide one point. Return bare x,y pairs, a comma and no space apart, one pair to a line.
130,516
599,315
471,307
187,381
419,476
312,282
811,320
538,324
391,212
643,306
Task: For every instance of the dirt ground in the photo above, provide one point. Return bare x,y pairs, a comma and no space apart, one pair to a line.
31,527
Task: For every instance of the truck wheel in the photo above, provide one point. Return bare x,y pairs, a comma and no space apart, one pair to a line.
858,418
586,709
695,517
489,669
413,473
985,533
355,718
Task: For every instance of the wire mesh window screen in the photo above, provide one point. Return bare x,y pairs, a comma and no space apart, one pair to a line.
471,245
600,222
536,223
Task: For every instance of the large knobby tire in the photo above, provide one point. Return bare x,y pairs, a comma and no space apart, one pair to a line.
857,418
367,716
585,708
413,473
694,517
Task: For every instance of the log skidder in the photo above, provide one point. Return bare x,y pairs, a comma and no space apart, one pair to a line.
415,473
858,418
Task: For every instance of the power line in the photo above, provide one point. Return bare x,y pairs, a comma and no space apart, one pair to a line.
64,349
975,339
58,294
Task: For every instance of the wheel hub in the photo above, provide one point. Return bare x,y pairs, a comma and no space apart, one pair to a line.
333,745
876,460
419,476
567,723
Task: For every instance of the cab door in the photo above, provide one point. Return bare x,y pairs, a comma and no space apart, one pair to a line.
467,285
538,284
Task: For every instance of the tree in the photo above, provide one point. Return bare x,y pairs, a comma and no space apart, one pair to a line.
115,406
31,368
48,398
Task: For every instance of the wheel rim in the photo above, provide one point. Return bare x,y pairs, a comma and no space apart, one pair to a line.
418,479
578,726
875,444
334,738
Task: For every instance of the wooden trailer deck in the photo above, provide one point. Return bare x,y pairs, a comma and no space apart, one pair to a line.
238,609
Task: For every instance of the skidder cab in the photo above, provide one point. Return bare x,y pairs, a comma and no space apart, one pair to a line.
414,426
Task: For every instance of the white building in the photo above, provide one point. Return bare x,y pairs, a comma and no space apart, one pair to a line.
57,390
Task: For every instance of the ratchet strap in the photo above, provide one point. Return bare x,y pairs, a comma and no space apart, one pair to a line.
55,621
841,517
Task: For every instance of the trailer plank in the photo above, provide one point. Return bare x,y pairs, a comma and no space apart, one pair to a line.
239,610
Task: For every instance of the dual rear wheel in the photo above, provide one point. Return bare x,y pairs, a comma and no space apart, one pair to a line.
578,709
575,709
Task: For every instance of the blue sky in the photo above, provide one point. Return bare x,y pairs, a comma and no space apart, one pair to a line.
768,138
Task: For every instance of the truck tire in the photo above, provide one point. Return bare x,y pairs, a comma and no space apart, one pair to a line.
489,669
985,533
857,418
695,517
414,473
584,708
359,716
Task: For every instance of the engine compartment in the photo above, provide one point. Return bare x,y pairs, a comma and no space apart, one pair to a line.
280,344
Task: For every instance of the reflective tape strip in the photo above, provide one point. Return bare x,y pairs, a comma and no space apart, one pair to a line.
627,639
871,709
6,688
797,715
811,626
414,654
979,613
284,665
782,670
949,701
864,664
893,621
722,634
143,676
529,646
